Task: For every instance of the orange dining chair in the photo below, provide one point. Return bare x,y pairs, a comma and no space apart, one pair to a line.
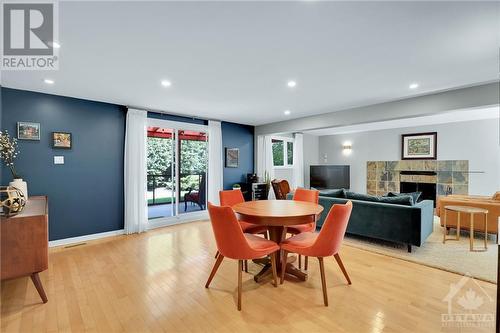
323,244
231,198
302,194
234,244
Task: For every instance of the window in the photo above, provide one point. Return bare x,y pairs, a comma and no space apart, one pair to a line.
282,152
289,152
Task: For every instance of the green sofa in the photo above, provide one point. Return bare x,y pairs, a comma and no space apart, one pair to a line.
404,224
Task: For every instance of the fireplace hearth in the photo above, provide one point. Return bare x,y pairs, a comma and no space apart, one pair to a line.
443,176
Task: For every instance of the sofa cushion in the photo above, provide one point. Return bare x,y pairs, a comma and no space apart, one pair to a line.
360,196
333,193
406,200
414,195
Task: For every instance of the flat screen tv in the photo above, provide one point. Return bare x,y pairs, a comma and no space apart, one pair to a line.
330,176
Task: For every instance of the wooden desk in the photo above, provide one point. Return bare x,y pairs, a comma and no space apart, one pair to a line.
277,215
25,243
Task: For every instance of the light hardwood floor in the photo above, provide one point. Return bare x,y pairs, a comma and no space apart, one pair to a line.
154,282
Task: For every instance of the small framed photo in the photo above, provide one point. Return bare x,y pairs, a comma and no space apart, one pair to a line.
419,146
232,157
61,140
28,131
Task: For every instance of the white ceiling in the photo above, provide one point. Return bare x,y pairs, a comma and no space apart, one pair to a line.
454,116
231,60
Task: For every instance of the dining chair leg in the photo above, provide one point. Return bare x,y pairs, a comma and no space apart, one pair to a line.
300,261
339,261
246,266
216,254
240,265
283,266
214,270
275,273
323,281
306,262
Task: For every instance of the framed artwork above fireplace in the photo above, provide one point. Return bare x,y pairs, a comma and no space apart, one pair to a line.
419,146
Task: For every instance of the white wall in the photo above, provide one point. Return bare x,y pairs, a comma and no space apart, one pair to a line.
476,141
311,153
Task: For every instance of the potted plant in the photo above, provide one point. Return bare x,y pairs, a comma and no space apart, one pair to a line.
8,153
236,186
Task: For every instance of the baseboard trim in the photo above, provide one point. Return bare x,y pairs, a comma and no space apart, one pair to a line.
180,219
79,239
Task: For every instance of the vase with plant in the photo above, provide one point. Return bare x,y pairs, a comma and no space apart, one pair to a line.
236,186
8,153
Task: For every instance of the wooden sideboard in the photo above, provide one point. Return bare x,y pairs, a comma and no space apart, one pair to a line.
25,243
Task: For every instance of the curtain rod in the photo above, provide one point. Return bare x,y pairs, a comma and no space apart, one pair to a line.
169,113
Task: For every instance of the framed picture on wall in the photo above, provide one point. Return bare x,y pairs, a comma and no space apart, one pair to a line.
419,146
61,140
28,131
232,157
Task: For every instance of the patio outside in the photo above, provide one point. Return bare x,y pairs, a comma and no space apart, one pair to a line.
192,147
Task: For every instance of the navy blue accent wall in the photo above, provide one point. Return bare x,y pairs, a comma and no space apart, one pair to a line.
86,193
170,117
242,137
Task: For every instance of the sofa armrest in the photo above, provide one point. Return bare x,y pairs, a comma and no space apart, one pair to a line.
426,220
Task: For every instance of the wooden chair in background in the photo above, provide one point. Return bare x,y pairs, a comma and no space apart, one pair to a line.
281,188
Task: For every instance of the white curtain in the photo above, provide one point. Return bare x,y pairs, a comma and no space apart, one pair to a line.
265,159
214,161
135,172
298,160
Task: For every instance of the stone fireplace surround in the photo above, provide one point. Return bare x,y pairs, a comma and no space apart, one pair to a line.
452,176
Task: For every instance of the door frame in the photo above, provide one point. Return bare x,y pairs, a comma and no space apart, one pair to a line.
188,216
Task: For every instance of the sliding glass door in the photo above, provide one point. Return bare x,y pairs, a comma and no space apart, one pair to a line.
193,163
177,169
161,166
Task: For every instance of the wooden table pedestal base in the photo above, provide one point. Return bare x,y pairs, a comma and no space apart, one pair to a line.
277,234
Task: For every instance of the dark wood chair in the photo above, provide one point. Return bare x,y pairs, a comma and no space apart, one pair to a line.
281,188
198,197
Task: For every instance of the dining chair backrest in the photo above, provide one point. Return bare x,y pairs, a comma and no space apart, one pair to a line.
231,197
281,188
229,237
333,230
302,194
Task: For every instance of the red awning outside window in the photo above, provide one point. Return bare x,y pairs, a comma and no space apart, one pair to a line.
166,133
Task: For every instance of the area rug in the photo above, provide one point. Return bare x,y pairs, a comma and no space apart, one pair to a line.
454,256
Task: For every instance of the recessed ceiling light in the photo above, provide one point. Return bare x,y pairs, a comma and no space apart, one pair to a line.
48,81
291,84
55,45
166,83
413,86
287,112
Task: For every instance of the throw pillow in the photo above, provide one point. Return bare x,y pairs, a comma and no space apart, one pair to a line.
332,193
362,197
496,196
406,200
414,195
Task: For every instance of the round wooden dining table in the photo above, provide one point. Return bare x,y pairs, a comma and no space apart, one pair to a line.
277,215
